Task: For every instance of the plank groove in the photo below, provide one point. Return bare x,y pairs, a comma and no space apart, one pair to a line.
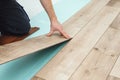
68,59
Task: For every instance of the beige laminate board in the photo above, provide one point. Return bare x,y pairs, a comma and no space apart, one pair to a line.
71,26
116,23
114,3
62,66
115,74
101,59
112,78
116,69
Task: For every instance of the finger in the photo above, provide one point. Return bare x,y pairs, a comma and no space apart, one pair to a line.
50,33
64,34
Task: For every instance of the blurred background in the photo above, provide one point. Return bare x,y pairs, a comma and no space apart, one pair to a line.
33,7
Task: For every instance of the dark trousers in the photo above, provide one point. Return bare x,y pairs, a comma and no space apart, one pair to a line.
13,18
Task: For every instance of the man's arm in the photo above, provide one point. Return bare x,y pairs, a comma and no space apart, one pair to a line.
55,25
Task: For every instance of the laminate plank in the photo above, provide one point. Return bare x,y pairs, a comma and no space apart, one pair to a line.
114,3
62,66
115,73
116,69
101,59
72,26
112,78
116,23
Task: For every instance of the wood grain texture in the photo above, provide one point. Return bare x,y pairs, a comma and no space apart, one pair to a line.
115,73
62,66
114,3
116,69
101,59
117,21
71,26
112,78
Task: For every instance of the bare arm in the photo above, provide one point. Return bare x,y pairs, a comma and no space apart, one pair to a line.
55,25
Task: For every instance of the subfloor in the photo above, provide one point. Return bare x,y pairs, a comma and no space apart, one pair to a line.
94,53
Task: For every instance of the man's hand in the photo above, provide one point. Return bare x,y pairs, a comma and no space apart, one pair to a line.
56,26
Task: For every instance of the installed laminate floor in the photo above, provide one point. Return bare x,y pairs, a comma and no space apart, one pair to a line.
93,54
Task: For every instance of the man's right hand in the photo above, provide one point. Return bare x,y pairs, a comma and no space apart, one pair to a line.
56,26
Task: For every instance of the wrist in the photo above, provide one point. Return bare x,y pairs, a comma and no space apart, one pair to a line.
53,20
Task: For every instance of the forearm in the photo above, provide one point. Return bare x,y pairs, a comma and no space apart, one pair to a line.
47,4
55,25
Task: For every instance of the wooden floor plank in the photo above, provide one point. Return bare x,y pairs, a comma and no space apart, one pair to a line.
115,73
101,59
68,59
72,26
112,78
114,3
116,23
116,69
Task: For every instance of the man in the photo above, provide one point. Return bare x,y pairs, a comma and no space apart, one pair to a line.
15,21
